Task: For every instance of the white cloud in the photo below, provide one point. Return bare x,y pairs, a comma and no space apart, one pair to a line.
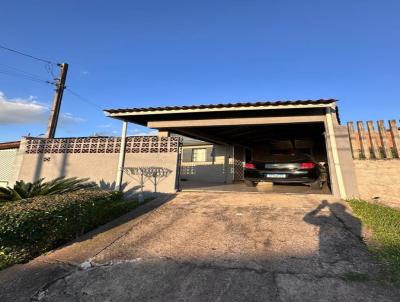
21,111
85,72
149,133
109,130
69,118
29,111
105,126
142,132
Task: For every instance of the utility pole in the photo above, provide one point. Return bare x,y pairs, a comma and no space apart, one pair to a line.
55,110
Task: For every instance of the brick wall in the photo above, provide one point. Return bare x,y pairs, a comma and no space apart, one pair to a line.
379,180
373,140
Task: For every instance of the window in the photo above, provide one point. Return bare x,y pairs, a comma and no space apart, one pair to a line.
199,154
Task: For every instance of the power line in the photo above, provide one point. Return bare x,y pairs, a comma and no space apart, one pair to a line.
15,69
83,98
25,77
49,69
26,55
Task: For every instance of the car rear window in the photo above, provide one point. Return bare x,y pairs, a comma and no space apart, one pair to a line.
287,157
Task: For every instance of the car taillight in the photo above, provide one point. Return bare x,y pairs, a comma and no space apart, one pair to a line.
249,166
307,165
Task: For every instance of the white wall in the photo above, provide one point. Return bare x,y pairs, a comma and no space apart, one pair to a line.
7,160
101,165
100,168
219,170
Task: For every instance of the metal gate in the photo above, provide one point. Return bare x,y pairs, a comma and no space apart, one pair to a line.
238,163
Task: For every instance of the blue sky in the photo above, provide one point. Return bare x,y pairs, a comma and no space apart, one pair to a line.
155,53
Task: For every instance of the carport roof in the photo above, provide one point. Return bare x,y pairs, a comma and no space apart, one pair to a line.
222,107
211,122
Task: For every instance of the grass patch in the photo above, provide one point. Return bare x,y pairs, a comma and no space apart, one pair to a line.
385,225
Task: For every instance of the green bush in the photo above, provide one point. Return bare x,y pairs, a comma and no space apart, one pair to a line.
36,225
60,185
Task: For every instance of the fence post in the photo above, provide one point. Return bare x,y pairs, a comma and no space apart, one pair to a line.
354,150
395,137
372,137
364,146
382,134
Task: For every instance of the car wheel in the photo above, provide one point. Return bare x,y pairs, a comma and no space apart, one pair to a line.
317,185
250,183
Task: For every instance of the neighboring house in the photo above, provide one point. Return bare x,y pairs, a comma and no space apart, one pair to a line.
8,153
205,162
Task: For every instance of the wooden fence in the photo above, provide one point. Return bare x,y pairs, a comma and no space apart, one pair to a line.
374,143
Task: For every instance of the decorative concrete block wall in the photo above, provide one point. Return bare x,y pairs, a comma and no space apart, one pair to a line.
97,159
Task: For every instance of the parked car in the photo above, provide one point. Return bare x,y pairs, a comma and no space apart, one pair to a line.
286,168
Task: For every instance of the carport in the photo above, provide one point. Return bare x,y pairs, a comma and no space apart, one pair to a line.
246,130
245,143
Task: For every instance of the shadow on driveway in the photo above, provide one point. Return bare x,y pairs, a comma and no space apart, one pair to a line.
213,247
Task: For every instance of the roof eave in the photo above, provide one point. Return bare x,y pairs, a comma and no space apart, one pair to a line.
110,112
10,145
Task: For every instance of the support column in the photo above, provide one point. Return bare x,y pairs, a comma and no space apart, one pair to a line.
335,154
121,158
226,164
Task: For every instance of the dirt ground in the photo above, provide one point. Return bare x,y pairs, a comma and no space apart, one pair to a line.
212,247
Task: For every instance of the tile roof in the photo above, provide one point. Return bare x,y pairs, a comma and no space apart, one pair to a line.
9,145
226,105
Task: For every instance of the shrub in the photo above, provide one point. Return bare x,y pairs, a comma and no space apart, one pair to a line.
22,190
36,225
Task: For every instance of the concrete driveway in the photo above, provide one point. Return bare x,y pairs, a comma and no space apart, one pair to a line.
212,247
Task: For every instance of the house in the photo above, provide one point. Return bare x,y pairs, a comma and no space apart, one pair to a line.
205,162
8,153
236,130
211,143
